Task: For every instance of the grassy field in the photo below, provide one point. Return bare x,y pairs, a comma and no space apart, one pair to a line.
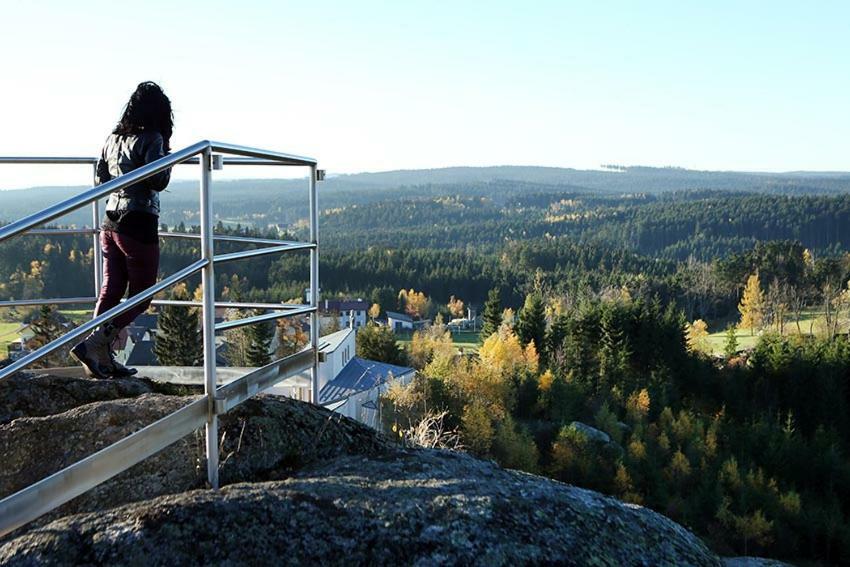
9,329
77,316
466,340
810,322
8,333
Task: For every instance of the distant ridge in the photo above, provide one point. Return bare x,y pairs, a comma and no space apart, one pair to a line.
238,198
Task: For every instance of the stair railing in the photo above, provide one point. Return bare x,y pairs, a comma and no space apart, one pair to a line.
47,494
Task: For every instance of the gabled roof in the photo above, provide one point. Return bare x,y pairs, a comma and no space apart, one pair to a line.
146,320
331,342
359,375
399,316
142,355
344,305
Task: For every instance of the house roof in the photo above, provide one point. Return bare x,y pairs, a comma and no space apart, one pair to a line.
331,342
146,320
359,375
142,355
399,316
344,305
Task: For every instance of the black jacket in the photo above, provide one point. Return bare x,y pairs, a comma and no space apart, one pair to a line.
122,154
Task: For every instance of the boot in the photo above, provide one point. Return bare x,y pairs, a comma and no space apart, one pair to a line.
112,366
115,368
95,350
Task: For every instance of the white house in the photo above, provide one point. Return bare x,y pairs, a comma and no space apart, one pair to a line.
399,321
350,312
355,392
348,384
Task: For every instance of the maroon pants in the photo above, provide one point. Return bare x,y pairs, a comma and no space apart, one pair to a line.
126,262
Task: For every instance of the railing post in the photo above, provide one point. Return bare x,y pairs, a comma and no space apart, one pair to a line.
314,286
97,254
208,317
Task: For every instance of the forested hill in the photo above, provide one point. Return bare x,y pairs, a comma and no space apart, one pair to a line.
263,202
611,179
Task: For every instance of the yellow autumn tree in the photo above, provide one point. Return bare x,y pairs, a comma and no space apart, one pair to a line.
503,353
456,307
696,335
752,305
808,259
532,359
374,311
637,405
291,336
508,317
433,343
546,380
415,303
477,428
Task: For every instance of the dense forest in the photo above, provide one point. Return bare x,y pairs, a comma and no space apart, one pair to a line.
595,287
751,453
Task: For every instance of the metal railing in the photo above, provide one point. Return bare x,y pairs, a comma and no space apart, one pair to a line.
53,491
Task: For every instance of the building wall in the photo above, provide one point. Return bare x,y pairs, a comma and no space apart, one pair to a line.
336,361
359,318
353,407
396,324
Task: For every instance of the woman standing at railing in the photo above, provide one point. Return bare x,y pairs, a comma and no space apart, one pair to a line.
129,235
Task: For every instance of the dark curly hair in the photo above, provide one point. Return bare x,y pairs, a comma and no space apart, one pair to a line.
147,109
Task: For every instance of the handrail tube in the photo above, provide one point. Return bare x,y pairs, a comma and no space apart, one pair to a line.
52,301
242,160
167,234
177,302
225,325
42,231
314,284
64,207
226,238
231,304
103,317
233,394
258,153
208,316
48,160
37,499
97,251
263,251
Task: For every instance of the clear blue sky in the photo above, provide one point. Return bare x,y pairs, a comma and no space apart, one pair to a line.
367,86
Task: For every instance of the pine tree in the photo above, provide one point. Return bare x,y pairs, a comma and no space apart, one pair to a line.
730,349
492,314
554,341
752,305
178,339
614,352
531,323
260,336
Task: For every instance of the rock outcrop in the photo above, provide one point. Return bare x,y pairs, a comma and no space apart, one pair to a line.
308,487
264,438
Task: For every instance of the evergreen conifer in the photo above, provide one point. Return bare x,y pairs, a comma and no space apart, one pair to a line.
492,314
260,336
178,338
531,323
